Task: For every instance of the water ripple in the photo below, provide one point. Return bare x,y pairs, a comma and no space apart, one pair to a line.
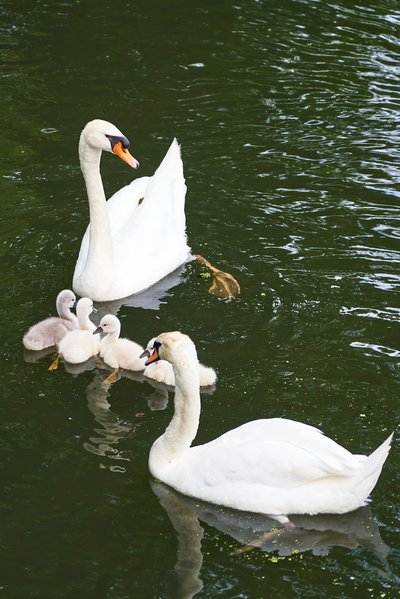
380,349
389,314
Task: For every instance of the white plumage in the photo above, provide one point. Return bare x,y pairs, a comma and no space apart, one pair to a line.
80,345
163,372
118,352
111,262
273,466
50,331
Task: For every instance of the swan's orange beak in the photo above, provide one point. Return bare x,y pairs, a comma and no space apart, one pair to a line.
125,155
154,357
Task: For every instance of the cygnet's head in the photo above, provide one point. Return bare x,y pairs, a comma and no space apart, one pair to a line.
102,135
67,298
109,324
171,347
84,307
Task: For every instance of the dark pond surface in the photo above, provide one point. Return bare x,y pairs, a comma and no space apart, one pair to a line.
287,113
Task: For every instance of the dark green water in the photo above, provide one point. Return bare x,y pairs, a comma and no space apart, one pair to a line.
287,113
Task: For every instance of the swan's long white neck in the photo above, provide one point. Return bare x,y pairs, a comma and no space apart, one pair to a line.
184,425
64,312
85,324
100,241
112,336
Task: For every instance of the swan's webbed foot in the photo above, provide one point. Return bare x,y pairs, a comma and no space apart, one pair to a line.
55,362
98,362
112,378
223,284
289,526
269,536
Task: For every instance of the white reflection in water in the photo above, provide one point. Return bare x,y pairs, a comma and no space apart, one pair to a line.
150,299
317,534
113,428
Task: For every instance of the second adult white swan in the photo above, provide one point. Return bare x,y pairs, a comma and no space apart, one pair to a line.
117,257
272,466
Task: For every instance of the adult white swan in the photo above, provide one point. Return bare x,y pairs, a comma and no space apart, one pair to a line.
275,466
119,255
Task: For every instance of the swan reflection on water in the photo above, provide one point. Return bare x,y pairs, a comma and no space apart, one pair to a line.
112,428
31,357
150,299
317,534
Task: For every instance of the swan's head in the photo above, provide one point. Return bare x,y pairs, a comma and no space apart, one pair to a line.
149,351
150,344
84,307
67,298
101,135
108,324
172,347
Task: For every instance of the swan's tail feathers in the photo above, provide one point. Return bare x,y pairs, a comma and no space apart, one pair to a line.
372,466
172,161
166,191
33,342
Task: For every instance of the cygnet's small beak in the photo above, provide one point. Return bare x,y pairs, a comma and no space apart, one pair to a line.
98,330
145,354
125,155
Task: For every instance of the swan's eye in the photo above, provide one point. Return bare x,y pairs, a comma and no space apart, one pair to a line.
115,139
156,345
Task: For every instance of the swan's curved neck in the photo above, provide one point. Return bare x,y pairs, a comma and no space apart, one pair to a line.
85,324
111,337
64,312
183,427
100,242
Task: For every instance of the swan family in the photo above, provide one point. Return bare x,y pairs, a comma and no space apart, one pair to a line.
270,466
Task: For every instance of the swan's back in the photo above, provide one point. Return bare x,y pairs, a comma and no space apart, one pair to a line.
47,333
122,353
50,331
78,346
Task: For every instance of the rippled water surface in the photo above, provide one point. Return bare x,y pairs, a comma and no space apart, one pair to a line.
287,113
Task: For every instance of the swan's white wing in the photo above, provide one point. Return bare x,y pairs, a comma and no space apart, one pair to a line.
157,218
274,453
